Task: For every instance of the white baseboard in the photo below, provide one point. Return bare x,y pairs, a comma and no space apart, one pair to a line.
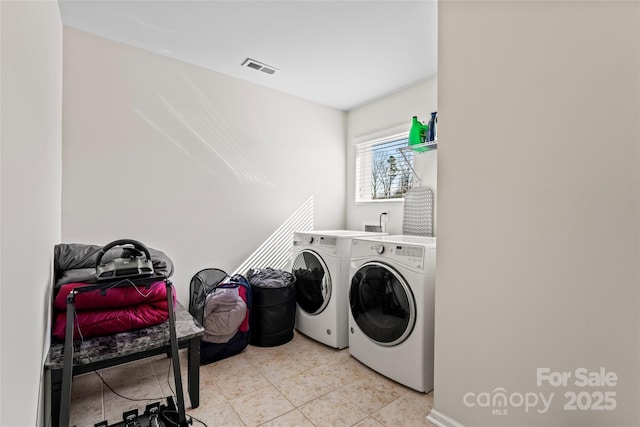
442,420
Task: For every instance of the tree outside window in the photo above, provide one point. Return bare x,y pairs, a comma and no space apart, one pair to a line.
391,175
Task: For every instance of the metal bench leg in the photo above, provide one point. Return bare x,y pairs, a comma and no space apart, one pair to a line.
56,396
193,371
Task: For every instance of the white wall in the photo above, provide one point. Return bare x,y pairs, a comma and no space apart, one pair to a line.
394,110
31,98
197,164
538,207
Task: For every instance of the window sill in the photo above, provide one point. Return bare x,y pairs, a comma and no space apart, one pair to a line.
380,201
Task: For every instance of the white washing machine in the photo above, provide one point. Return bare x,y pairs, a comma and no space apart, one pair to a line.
391,300
321,266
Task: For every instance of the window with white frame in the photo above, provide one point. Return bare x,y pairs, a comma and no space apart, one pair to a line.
382,170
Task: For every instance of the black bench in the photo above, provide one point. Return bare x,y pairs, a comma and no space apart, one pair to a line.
111,350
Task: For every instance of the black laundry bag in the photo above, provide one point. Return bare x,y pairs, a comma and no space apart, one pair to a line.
273,312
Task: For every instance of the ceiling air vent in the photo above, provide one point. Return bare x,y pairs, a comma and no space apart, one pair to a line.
252,63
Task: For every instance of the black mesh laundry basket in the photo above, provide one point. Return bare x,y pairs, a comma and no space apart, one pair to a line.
273,312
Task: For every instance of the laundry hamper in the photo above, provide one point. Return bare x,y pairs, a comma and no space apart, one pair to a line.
222,304
273,313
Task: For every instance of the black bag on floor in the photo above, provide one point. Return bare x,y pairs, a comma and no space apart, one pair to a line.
222,304
273,313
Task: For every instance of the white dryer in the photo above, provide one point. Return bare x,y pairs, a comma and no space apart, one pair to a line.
321,266
391,300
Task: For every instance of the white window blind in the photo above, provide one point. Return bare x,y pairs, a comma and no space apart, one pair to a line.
382,171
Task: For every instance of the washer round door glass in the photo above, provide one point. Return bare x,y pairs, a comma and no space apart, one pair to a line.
313,283
382,304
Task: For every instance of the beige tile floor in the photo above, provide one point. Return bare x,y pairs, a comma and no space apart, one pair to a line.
301,383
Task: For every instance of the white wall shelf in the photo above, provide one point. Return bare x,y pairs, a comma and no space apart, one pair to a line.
418,148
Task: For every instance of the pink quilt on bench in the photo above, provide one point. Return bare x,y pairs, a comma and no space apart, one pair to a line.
118,310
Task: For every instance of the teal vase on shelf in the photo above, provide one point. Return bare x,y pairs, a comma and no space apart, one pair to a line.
418,134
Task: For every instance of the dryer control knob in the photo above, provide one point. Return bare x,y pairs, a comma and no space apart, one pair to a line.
379,249
309,239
